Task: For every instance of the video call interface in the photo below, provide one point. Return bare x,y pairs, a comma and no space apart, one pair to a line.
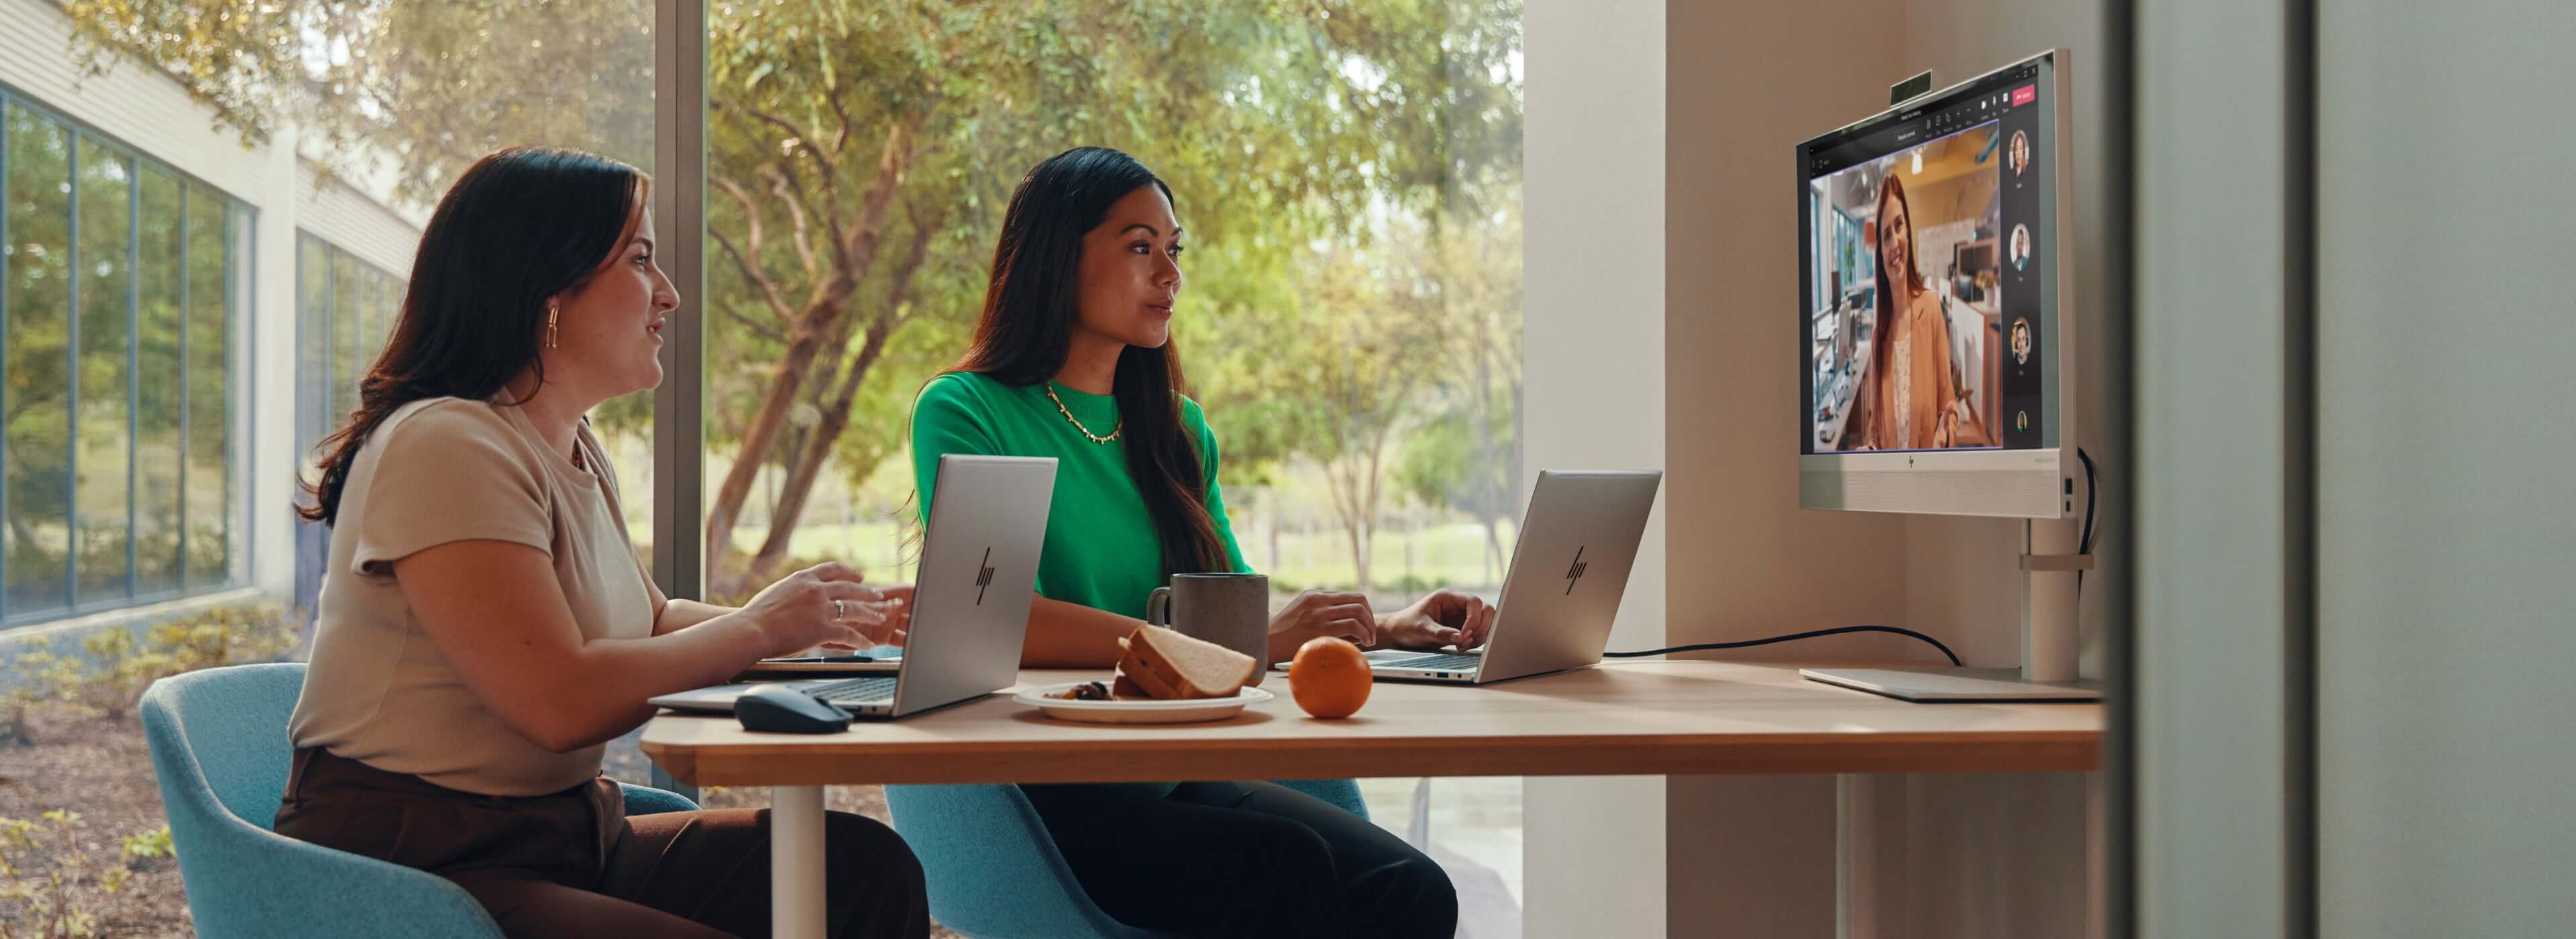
1921,249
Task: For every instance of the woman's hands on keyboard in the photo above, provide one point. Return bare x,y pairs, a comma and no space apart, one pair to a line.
820,605
1444,619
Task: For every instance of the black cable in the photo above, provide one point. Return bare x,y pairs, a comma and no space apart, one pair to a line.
2090,491
2084,544
1811,634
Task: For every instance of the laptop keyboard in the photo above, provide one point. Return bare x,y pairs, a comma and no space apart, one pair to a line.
855,691
1438,662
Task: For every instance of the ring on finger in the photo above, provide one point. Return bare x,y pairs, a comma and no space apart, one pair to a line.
840,610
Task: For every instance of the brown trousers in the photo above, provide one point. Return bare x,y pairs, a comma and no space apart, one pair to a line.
574,864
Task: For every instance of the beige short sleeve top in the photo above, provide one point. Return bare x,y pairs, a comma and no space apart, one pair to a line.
438,471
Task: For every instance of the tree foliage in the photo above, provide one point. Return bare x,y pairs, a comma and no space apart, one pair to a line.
860,153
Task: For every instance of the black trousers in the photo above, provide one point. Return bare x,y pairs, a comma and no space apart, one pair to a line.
1244,859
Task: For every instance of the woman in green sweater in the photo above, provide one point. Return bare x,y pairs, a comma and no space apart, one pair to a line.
1072,360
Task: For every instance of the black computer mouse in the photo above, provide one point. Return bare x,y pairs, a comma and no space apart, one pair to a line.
780,709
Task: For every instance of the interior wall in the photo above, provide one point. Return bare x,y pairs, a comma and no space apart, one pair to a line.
1756,564
2003,855
2444,533
1593,159
1732,187
1961,573
1755,855
1922,855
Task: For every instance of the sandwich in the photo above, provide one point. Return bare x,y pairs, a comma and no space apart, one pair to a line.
1165,665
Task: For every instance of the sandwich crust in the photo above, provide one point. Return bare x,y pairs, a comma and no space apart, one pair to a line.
1164,664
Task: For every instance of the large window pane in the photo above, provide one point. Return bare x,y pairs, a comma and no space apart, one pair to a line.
1349,176
343,316
127,462
385,107
389,295
313,418
158,412
103,459
473,77
1343,171
349,354
214,260
371,328
37,399
122,284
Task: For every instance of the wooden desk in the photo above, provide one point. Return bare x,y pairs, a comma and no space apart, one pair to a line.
1630,718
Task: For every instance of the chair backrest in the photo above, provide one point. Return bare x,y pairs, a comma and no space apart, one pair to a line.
223,731
218,739
993,873
991,870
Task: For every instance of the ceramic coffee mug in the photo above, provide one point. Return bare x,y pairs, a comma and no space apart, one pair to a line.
1231,610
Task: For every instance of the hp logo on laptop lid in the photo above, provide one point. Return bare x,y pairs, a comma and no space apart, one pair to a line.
1574,575
983,576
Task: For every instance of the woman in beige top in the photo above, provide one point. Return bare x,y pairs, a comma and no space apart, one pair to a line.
1910,382
485,624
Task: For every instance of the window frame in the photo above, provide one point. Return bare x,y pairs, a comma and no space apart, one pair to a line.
239,359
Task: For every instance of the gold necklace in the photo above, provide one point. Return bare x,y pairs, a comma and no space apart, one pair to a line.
1077,422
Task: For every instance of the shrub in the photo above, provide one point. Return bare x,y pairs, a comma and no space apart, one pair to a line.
120,670
41,677
116,666
48,900
227,635
142,849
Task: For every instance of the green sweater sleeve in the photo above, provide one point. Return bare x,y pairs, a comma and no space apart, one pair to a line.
947,418
1215,494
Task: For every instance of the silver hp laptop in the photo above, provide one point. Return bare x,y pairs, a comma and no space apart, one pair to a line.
970,613
1577,544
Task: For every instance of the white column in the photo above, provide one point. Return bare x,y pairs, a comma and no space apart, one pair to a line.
1593,387
269,461
796,907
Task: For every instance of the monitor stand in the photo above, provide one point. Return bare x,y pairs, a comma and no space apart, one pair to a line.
2049,642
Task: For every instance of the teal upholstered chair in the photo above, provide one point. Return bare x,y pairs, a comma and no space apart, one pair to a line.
218,740
994,874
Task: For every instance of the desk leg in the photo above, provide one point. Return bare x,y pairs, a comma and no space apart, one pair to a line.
796,907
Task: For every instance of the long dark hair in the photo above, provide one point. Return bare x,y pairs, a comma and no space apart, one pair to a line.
522,225
1882,351
1030,310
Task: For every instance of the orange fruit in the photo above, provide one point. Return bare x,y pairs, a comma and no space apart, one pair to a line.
1329,677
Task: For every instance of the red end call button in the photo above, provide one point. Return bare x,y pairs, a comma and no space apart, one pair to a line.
2025,95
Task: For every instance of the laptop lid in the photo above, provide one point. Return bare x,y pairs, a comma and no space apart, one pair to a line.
1570,567
978,576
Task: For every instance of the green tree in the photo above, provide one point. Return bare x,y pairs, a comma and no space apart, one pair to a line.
1478,270
860,152
38,425
823,162
1372,315
430,84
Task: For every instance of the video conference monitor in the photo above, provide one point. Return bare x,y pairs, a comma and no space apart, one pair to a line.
1935,352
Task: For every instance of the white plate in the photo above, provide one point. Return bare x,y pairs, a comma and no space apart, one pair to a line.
1184,711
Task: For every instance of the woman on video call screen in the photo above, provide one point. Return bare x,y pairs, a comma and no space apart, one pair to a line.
1910,257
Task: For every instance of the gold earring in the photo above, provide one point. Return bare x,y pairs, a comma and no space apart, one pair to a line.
552,311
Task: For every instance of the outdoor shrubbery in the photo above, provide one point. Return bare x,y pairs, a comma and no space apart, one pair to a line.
49,877
114,666
54,874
